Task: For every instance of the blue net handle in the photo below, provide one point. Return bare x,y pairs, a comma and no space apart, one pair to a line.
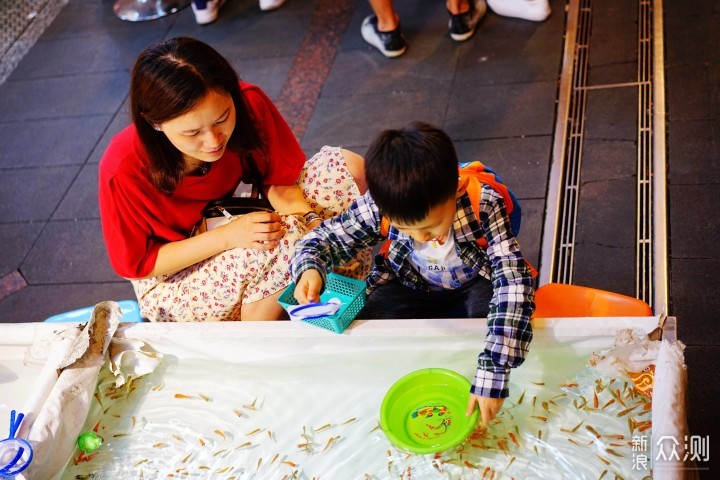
15,466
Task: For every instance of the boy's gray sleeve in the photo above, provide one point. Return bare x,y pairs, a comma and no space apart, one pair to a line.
336,240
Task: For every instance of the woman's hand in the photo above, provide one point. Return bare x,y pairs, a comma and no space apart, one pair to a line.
258,230
307,289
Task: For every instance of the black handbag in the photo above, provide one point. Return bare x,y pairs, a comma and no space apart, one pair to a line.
219,212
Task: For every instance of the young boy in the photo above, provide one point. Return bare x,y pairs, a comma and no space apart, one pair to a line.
434,267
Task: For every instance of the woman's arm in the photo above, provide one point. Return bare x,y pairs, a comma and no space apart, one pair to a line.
289,199
259,230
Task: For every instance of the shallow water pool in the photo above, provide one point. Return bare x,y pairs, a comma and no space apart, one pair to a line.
293,401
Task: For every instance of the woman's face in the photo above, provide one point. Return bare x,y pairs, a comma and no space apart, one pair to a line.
203,132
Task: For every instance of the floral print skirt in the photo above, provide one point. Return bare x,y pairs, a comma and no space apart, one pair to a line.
216,288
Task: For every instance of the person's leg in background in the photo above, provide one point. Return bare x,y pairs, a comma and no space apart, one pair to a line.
464,17
267,5
382,29
206,11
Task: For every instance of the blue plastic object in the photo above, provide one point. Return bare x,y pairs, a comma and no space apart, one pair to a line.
15,453
129,308
312,311
349,291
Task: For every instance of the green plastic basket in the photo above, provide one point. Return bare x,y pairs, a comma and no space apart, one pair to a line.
349,291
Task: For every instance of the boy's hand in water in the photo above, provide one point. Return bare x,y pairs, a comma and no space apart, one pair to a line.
489,407
307,288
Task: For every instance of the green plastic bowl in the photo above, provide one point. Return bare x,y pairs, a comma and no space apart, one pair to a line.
424,411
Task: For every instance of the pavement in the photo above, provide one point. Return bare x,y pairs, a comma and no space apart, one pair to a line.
65,75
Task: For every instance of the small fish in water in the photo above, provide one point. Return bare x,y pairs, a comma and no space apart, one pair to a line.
613,452
626,411
605,461
330,442
609,402
643,380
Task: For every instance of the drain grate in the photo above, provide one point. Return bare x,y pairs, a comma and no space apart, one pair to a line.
644,220
559,231
574,145
561,214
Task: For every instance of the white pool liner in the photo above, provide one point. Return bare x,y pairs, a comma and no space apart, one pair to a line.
62,398
275,340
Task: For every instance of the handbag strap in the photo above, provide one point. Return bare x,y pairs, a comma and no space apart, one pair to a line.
252,176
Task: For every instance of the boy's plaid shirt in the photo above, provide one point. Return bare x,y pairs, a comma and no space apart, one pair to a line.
338,239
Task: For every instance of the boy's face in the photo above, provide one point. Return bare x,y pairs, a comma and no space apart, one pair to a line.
436,224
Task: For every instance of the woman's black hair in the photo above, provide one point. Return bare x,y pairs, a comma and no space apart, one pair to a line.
411,170
169,78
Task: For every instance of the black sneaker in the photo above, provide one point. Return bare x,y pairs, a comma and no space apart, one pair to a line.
462,26
391,44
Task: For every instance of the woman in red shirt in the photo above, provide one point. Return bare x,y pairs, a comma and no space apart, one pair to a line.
196,131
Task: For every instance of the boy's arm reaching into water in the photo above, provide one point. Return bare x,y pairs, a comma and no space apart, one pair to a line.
509,330
333,243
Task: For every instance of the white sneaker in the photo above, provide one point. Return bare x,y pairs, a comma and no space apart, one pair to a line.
533,10
266,5
391,44
206,11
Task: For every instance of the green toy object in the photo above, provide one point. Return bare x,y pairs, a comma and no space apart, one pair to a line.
88,442
424,411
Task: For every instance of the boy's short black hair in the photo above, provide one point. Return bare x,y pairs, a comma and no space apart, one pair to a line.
411,170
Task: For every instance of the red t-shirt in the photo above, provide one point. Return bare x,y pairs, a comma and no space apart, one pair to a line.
137,219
